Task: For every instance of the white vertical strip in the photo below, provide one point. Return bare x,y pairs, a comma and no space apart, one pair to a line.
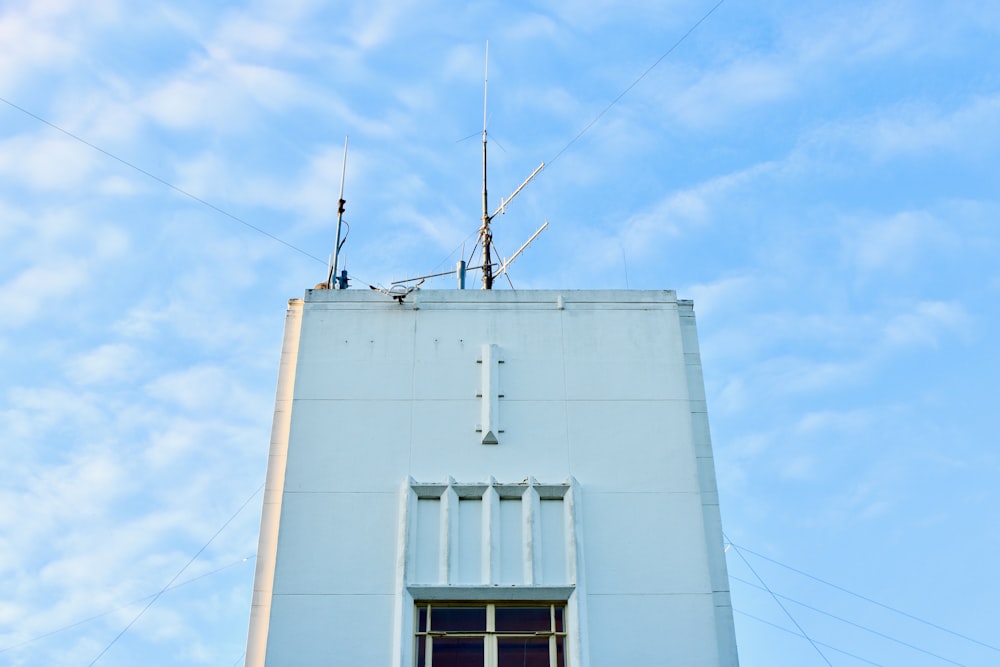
491,536
490,388
449,536
405,564
578,646
532,533
274,488
711,514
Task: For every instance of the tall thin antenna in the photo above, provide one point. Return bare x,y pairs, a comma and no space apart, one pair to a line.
490,271
333,278
485,235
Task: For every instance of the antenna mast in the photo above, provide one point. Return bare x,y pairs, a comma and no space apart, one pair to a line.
485,235
334,279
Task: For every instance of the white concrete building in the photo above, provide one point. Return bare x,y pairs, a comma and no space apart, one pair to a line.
491,478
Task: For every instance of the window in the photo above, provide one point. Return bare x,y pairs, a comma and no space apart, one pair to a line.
516,634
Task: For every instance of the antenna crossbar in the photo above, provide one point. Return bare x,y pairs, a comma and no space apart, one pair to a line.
504,202
433,275
507,263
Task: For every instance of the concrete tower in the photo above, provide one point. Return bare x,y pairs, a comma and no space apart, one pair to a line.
491,478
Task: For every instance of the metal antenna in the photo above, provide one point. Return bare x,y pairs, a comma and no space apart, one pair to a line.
485,235
333,278
397,289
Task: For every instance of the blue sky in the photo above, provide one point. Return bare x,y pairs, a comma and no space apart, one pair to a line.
822,179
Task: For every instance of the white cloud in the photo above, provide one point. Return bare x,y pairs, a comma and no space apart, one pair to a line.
199,313
224,95
838,422
208,175
196,101
376,23
205,389
532,26
117,186
35,289
599,14
909,129
52,255
719,94
642,233
896,243
926,324
47,161
107,363
721,294
107,117
245,34
852,34
43,38
464,63
869,496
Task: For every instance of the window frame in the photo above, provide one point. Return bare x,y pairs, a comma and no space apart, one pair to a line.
490,635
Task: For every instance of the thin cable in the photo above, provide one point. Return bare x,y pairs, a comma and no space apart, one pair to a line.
795,634
174,578
874,602
777,601
235,664
124,606
851,623
163,181
636,82
452,253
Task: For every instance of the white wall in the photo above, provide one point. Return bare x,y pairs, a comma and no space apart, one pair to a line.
600,395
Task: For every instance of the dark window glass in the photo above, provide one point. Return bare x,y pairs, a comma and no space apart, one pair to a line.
422,618
421,651
458,651
458,619
560,652
521,652
523,619
559,620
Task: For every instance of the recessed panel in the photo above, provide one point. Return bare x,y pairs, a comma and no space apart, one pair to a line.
425,542
511,540
469,541
553,543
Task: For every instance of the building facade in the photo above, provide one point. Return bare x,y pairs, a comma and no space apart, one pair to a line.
491,478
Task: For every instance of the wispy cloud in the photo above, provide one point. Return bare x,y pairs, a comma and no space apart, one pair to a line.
818,179
46,35
106,363
896,243
918,128
926,324
718,95
49,163
27,294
